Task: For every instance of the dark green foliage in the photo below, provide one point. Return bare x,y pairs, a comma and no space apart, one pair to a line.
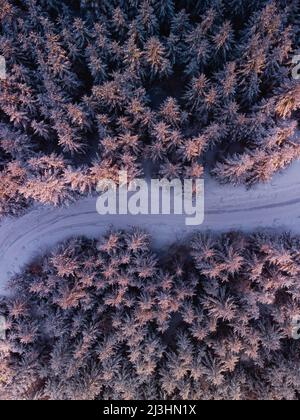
107,320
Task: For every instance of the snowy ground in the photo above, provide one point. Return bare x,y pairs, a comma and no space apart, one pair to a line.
276,205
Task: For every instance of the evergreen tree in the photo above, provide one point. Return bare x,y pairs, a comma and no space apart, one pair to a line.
104,319
82,73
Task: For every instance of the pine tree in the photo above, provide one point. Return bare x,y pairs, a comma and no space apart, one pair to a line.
76,73
147,22
165,9
287,99
156,58
126,337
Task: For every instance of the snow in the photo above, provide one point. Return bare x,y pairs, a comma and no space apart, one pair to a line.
274,205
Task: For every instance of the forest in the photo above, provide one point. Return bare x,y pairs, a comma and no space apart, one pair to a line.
94,87
172,89
211,319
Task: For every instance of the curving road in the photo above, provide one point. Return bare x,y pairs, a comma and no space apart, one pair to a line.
274,205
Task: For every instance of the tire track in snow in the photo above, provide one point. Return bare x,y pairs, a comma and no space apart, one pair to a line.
274,205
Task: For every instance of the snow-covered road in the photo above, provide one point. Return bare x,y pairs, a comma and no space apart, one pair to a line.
275,205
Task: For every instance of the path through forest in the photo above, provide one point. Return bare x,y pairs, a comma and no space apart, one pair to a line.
274,205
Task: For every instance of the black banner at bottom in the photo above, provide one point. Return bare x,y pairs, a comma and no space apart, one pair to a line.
154,409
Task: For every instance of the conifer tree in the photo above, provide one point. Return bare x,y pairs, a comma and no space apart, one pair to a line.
81,77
